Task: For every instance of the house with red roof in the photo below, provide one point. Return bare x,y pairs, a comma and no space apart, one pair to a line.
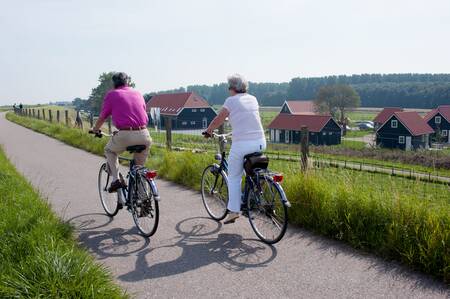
299,107
323,129
439,120
404,130
384,115
186,110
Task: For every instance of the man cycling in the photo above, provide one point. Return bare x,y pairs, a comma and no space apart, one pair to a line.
128,110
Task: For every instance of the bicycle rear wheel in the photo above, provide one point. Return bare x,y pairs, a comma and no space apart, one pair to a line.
267,213
215,192
144,207
110,201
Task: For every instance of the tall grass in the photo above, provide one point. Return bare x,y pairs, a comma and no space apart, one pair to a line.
393,217
38,256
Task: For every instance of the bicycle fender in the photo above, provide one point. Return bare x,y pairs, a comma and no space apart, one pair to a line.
154,190
283,195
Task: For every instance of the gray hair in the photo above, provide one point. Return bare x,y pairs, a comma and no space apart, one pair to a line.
237,83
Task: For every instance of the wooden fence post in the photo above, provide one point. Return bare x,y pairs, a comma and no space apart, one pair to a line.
91,120
109,126
66,115
39,114
43,114
57,116
168,126
50,116
304,148
33,112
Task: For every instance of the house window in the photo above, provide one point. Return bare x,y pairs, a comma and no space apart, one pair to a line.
437,120
330,133
286,136
272,135
194,110
184,123
401,139
193,122
394,124
202,110
444,133
324,133
204,123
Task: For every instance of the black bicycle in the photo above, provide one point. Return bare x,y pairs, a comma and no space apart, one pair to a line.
263,201
140,196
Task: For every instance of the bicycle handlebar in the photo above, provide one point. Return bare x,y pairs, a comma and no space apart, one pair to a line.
215,135
99,134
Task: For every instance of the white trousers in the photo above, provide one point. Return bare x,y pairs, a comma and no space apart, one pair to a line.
236,167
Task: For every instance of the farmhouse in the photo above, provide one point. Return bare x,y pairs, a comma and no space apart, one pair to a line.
323,129
299,107
404,130
384,115
439,120
187,110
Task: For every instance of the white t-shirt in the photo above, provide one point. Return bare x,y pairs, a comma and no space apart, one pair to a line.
244,117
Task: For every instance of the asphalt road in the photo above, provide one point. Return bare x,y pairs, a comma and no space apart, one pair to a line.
191,256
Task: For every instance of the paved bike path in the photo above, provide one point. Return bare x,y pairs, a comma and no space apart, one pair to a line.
191,256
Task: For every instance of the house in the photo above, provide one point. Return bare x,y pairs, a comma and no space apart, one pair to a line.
404,130
439,120
299,107
187,110
323,129
384,115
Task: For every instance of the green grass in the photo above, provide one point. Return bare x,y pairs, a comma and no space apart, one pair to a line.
353,134
361,115
38,256
396,218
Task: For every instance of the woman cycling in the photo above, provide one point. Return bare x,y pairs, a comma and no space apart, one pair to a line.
242,109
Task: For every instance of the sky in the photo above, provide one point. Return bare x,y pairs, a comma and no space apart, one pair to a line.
56,49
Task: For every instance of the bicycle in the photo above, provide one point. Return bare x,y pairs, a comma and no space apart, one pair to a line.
263,201
140,195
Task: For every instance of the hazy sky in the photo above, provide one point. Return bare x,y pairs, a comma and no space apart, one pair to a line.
56,49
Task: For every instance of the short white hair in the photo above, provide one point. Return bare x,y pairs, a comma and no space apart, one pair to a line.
238,83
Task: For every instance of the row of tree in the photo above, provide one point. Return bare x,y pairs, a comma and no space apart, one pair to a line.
375,90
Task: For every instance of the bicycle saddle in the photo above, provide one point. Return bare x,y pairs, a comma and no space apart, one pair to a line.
136,148
255,160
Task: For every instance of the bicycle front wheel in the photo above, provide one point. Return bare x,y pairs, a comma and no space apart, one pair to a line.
215,192
144,207
110,201
267,213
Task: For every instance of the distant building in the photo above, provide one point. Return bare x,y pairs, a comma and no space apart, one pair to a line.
404,130
384,115
187,110
439,120
323,129
299,107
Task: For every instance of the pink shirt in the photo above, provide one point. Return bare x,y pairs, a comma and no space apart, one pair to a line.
127,107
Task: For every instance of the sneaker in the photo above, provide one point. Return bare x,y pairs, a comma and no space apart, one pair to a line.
117,184
232,216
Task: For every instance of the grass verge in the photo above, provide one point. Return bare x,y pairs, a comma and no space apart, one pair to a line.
38,256
396,218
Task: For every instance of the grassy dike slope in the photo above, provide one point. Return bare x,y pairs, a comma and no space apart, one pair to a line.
38,256
392,217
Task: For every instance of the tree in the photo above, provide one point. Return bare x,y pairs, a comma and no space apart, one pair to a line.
337,98
98,93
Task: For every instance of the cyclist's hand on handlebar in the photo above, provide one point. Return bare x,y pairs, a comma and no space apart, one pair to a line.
97,133
206,134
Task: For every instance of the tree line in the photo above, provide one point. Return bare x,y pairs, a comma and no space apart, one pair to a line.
375,90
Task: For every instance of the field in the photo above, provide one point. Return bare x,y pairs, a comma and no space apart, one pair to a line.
393,217
38,255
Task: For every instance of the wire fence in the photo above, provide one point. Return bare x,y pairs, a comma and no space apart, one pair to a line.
190,138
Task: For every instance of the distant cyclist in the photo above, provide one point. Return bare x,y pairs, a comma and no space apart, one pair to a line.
242,109
129,116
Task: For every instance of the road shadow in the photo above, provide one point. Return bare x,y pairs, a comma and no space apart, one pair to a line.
104,243
201,246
